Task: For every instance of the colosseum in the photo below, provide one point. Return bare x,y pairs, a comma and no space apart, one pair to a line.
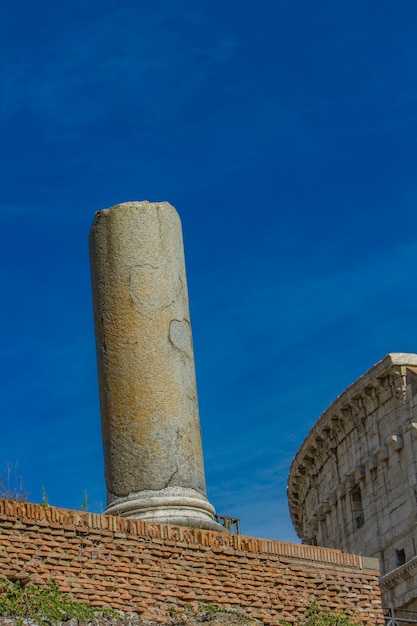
353,482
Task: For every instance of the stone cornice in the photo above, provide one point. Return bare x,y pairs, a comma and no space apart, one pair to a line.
384,381
407,570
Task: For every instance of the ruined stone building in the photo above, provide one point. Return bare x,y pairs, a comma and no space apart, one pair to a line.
353,482
158,548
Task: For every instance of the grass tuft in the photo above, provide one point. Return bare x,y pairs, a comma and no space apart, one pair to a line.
45,605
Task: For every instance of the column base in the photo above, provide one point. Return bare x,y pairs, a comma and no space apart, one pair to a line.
172,505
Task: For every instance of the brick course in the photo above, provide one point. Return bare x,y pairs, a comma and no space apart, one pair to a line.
147,567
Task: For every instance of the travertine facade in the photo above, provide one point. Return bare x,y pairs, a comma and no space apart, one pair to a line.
353,483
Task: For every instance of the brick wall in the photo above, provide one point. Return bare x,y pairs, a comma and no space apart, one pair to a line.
148,567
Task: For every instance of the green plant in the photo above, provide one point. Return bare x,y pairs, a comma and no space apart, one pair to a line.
45,605
175,612
316,616
45,501
85,501
217,610
184,616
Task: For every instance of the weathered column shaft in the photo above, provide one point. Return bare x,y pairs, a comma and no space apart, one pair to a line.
151,427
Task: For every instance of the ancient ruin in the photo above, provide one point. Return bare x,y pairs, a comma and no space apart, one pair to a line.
353,482
155,552
151,427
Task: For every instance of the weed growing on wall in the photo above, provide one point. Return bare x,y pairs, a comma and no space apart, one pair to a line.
315,616
44,604
187,616
85,501
45,500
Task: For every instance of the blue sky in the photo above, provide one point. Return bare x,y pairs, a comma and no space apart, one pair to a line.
285,134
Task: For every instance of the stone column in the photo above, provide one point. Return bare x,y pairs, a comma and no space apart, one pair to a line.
151,427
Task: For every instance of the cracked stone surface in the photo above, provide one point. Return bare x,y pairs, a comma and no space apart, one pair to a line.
148,396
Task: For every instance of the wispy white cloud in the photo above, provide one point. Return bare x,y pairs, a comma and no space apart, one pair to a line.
265,399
